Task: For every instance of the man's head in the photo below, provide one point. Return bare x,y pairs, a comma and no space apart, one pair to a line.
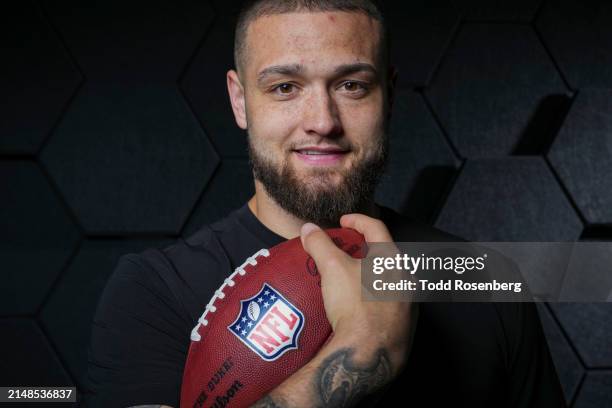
313,91
258,8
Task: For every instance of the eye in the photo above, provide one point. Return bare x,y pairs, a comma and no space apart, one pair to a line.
353,87
284,89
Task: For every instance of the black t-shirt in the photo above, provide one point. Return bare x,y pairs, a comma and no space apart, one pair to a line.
464,354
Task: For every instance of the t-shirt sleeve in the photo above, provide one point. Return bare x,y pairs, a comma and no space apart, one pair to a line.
139,341
533,379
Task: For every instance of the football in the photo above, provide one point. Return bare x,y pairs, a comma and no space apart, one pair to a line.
265,322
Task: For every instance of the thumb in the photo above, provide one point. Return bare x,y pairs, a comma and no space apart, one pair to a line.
320,247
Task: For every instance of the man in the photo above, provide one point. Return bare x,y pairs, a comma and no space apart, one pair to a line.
313,88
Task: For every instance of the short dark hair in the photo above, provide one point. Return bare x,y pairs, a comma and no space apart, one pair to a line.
254,9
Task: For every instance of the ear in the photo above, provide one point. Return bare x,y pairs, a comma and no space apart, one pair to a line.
236,94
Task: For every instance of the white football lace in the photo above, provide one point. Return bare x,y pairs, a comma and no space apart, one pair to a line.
229,281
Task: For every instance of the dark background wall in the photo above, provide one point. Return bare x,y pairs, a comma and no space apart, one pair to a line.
116,134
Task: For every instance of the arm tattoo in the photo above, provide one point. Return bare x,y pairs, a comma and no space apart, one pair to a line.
267,402
342,383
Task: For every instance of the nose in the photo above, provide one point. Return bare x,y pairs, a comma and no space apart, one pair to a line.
321,116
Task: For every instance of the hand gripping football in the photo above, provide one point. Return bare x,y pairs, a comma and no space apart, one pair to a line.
265,322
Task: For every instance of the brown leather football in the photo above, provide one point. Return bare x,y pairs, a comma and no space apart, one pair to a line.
265,322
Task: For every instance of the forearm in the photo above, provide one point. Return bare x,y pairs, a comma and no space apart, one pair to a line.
371,341
340,375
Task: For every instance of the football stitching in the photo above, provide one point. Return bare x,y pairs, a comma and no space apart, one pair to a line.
219,294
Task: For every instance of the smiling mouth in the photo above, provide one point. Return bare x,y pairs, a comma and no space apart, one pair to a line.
320,152
321,156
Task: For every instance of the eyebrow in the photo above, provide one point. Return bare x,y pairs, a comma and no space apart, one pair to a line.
348,69
296,69
292,69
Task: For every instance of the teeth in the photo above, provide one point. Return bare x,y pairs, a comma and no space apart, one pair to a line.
314,152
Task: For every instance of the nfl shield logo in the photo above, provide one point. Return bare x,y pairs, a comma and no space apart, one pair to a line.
268,324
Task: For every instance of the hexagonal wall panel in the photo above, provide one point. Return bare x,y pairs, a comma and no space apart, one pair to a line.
36,237
510,199
588,326
582,155
496,87
419,31
230,188
579,36
27,358
568,366
142,41
205,87
595,391
69,311
498,10
130,162
421,163
37,82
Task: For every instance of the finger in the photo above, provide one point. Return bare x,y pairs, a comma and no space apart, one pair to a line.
372,229
320,246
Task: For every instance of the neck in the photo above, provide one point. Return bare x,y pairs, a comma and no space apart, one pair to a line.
287,225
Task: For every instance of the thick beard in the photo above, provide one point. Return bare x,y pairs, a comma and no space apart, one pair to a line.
320,202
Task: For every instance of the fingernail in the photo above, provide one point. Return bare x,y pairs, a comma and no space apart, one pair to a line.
308,228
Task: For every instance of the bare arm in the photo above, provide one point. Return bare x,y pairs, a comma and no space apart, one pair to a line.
337,378
371,340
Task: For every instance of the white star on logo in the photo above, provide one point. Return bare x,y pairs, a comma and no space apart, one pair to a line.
250,325
267,292
244,319
243,332
266,304
272,297
237,327
259,300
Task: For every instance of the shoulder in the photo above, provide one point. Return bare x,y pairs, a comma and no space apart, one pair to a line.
140,331
182,274
180,277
